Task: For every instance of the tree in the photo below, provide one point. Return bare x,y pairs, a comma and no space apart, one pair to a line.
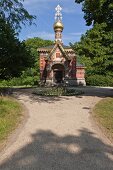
31,74
95,47
14,57
95,50
33,44
97,11
14,13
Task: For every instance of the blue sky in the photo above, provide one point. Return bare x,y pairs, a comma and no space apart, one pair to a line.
44,10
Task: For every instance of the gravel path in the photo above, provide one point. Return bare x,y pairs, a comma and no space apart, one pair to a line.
59,135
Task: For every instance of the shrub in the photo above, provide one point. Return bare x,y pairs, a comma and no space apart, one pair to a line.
29,77
99,80
57,91
25,81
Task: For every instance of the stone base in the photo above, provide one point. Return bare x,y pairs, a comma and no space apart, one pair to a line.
75,82
49,82
81,82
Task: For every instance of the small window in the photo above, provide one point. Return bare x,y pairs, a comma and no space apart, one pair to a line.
57,55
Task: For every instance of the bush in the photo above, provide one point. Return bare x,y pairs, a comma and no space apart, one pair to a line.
57,91
26,81
30,77
99,80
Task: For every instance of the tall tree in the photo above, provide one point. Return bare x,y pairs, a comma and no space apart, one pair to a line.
96,50
14,57
95,47
14,13
36,42
97,11
33,44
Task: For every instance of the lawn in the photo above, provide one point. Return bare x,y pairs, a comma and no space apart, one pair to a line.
103,112
10,116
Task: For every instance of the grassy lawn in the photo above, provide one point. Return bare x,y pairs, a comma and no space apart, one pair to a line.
103,112
10,116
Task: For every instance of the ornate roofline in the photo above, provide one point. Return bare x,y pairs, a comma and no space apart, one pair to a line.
49,48
58,44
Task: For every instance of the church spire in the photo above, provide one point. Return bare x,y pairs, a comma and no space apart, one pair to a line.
58,26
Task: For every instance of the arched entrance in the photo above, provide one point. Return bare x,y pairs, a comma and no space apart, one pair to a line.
58,73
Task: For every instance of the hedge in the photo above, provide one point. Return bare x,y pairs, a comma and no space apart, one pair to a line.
20,81
99,80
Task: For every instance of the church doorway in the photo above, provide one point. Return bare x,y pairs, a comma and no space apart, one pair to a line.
58,73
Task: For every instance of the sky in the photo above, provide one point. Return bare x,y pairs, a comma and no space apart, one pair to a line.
44,10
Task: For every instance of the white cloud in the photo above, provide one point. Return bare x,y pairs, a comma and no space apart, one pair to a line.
43,35
69,10
76,33
71,7
69,37
30,2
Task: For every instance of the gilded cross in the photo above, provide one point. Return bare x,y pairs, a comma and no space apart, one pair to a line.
58,14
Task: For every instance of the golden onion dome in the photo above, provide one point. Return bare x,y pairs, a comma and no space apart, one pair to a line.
58,25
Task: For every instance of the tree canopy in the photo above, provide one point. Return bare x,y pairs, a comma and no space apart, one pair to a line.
31,75
97,11
36,42
14,57
95,49
33,44
95,46
14,13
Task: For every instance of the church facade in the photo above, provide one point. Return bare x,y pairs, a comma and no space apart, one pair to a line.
58,63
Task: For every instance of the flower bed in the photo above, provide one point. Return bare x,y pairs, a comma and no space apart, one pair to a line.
57,91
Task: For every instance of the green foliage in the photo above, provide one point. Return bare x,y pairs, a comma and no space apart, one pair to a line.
95,50
23,80
36,42
30,76
21,67
99,80
14,13
32,45
97,11
57,91
95,47
14,56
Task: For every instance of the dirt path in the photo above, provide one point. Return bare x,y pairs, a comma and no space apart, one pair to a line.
59,135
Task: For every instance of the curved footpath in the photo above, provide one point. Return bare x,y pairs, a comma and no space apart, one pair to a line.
59,135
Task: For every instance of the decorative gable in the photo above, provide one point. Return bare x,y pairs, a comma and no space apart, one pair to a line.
58,50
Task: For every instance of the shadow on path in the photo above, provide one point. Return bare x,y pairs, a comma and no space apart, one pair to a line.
88,91
48,151
35,98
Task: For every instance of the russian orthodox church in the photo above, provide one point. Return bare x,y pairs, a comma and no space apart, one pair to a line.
58,63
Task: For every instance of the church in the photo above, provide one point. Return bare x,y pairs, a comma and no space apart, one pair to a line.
58,63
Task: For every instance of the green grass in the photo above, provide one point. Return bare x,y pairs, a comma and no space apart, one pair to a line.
10,116
103,112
